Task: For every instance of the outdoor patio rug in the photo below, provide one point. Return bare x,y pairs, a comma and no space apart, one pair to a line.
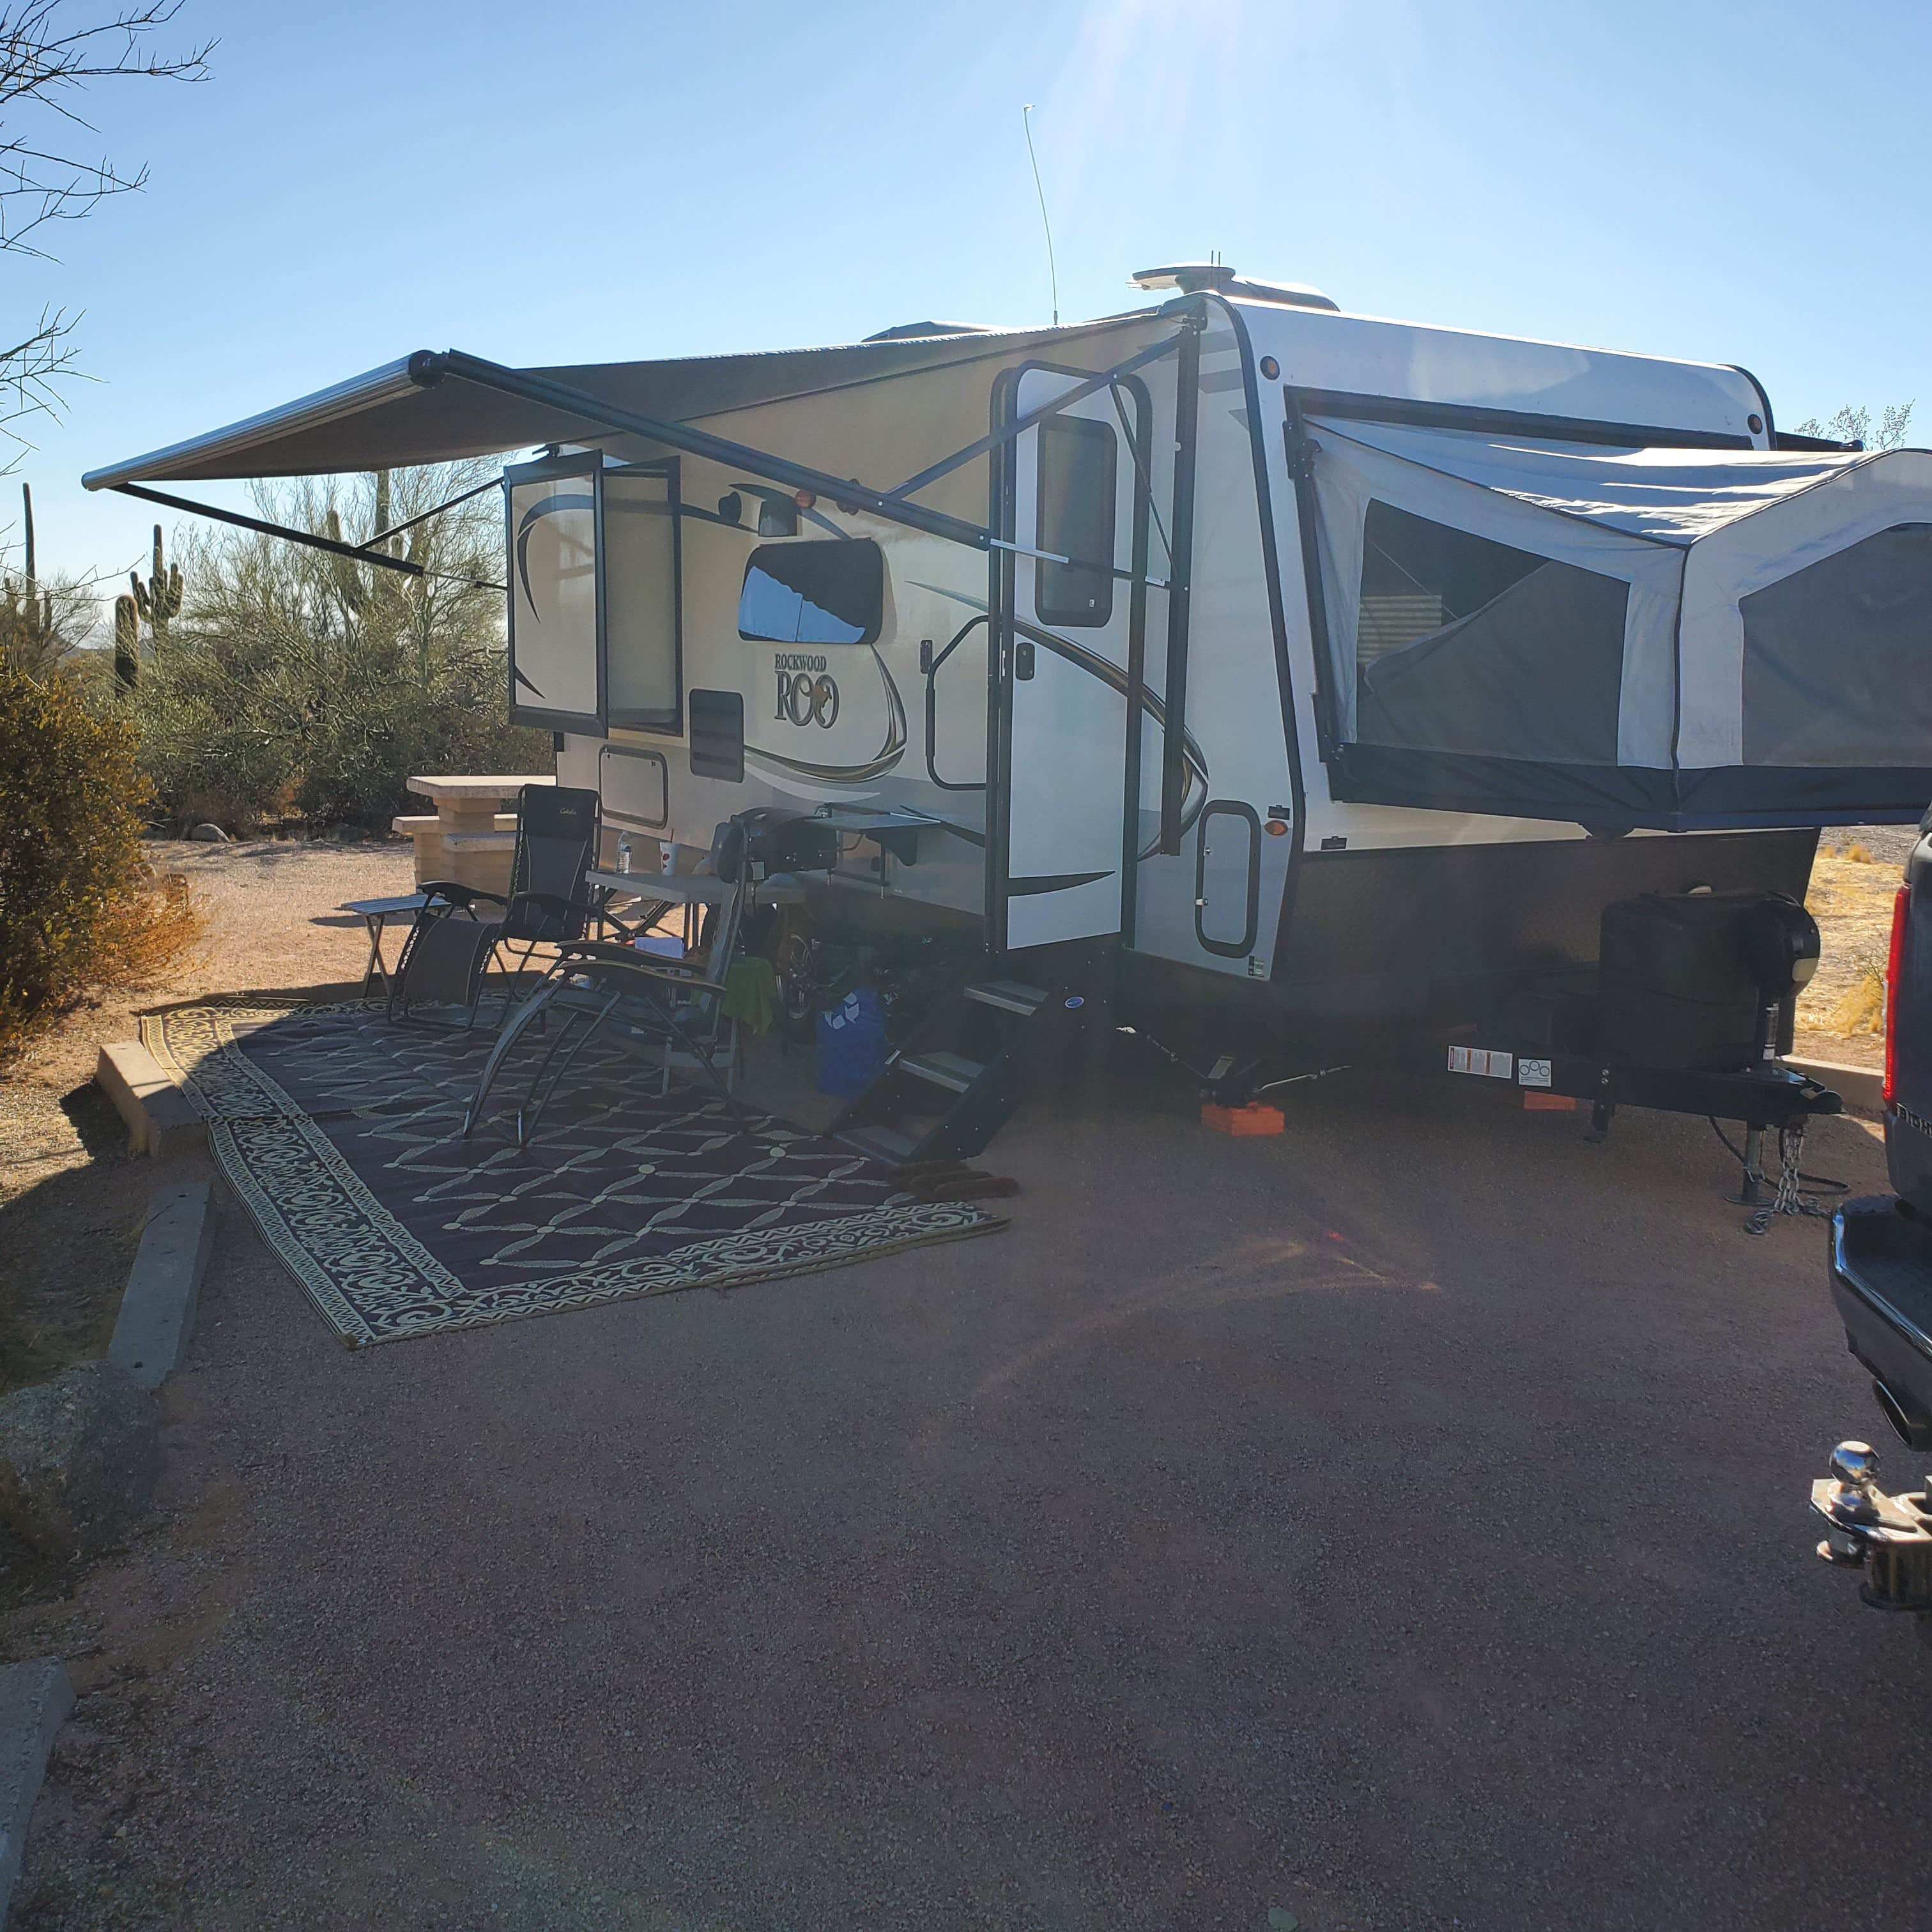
340,1132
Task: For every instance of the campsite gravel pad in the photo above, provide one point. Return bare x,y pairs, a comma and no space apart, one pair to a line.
341,1134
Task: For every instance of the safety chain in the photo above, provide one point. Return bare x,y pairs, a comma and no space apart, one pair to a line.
1788,1200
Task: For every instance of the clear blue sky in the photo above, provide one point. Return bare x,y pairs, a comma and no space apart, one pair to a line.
548,183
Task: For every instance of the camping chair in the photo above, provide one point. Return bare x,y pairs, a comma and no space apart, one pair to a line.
670,1011
452,944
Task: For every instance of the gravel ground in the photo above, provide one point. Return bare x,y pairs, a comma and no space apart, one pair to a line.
1401,1522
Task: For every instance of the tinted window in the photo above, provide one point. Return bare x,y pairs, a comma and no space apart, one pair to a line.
1466,645
832,592
1076,519
717,735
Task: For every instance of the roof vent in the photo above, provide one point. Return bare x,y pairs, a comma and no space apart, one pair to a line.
1192,277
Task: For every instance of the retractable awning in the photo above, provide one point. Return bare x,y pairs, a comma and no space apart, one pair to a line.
1625,637
387,419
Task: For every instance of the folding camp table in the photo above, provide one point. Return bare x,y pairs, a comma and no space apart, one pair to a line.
377,914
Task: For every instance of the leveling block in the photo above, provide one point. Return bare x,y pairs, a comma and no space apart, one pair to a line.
1242,1121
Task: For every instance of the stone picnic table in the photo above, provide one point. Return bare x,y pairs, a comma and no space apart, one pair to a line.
471,838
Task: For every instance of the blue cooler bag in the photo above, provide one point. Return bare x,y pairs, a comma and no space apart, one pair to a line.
851,1044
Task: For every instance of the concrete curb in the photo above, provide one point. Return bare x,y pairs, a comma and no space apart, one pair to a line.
34,1699
1862,1087
156,1319
160,1118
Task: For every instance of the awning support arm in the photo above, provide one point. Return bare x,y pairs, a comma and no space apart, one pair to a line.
1167,346
306,537
410,523
426,367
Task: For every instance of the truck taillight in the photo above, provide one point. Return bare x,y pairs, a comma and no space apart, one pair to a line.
1895,971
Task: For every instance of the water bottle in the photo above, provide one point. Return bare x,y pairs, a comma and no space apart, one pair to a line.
623,852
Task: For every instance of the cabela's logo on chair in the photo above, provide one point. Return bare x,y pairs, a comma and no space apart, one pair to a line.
806,695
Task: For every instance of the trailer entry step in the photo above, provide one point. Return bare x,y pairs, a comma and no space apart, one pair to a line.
1010,994
881,1143
952,1070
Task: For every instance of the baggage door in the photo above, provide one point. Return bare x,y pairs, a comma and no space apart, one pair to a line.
1069,632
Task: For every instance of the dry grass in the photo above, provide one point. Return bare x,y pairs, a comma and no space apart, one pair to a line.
1841,1014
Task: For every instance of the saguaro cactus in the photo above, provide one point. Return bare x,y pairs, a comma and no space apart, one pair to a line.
159,599
127,645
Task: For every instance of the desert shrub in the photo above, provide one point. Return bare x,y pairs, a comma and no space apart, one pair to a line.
1861,1008
296,679
79,908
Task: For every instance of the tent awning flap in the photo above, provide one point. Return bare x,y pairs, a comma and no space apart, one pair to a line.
384,421
1666,496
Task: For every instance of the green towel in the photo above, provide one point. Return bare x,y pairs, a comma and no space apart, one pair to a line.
751,993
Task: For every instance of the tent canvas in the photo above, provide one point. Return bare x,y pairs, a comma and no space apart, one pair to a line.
1624,636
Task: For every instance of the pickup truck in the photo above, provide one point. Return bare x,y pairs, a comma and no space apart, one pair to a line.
1881,1271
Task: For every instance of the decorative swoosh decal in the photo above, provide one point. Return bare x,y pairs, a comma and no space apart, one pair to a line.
1052,882
1115,678
545,506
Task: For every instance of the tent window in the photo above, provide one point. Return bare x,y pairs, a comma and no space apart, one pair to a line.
1467,645
1075,518
1835,657
832,591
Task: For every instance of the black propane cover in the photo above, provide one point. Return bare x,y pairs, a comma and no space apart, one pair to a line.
1683,979
779,841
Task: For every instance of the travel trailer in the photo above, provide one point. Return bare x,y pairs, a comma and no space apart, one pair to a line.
1325,677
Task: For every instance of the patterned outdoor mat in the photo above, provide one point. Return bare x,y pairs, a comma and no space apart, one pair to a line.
341,1133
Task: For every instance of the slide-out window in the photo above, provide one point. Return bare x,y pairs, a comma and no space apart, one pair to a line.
832,591
1075,518
595,594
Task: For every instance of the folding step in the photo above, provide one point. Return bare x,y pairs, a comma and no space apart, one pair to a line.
1011,995
944,1069
885,1144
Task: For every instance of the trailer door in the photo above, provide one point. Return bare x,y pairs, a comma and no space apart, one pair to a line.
1069,631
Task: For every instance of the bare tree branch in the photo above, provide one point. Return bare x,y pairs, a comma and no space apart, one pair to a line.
51,52
45,64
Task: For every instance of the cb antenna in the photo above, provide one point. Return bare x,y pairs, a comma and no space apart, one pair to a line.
1052,273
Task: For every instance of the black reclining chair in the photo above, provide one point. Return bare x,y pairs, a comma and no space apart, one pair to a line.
452,944
670,1011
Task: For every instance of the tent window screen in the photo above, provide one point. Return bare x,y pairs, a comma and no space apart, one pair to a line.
1836,657
1075,518
641,563
556,672
829,592
1464,644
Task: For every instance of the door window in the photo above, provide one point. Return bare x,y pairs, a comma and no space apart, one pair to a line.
1078,459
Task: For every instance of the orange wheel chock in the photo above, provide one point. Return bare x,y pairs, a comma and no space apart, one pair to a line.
1252,1119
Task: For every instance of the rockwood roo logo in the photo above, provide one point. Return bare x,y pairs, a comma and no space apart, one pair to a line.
806,695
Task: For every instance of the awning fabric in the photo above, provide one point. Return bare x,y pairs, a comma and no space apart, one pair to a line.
1710,639
382,420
